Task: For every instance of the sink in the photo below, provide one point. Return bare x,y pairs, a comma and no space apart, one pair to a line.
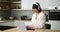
6,27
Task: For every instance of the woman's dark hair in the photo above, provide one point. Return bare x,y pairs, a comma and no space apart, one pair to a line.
34,6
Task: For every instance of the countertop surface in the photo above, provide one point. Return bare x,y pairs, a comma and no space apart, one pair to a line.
37,30
13,20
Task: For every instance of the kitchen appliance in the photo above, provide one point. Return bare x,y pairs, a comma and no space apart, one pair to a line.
54,14
23,17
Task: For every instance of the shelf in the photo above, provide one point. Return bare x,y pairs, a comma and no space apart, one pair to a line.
16,9
16,2
4,1
11,4
12,1
5,9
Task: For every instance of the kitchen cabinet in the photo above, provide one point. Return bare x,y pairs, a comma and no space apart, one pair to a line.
10,4
15,5
7,23
6,7
55,24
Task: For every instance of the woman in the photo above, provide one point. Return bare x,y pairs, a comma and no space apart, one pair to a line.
38,18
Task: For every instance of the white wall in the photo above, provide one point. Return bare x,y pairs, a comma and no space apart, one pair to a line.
27,4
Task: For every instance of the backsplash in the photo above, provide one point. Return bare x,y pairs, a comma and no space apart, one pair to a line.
19,13
5,13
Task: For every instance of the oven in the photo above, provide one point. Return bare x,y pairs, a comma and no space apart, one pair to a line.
54,14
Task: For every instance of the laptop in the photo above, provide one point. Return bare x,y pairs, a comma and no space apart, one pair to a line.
20,25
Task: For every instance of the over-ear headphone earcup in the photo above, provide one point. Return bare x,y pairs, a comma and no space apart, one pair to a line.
38,6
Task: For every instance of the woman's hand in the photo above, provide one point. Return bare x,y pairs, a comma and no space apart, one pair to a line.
30,27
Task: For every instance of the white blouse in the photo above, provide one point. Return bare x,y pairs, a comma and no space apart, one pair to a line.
39,21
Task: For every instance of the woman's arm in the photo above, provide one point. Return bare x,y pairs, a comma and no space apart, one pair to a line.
42,21
32,21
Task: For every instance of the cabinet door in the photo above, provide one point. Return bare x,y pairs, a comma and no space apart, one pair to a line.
8,23
55,25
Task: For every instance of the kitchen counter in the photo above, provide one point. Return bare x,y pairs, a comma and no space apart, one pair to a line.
55,25
14,22
37,30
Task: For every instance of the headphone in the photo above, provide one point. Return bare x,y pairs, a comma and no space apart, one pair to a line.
38,5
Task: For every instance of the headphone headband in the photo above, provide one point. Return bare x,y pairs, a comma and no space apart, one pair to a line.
37,4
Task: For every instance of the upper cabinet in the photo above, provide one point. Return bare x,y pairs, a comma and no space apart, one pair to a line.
4,5
15,6
10,4
9,0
